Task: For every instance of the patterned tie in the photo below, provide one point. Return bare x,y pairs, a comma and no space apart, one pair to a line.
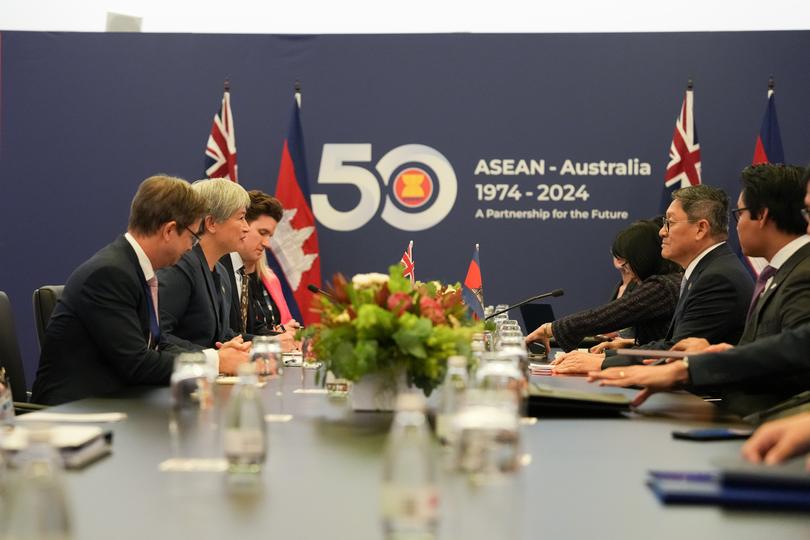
767,273
243,299
154,317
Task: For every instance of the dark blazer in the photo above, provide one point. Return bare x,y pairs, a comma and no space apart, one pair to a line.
97,340
786,303
781,356
195,303
256,322
713,305
647,307
758,375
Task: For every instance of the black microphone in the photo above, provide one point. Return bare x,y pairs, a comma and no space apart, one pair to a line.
317,290
555,292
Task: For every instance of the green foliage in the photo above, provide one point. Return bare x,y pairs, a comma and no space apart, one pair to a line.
360,336
396,281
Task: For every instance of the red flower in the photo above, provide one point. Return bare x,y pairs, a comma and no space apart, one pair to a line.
399,303
432,309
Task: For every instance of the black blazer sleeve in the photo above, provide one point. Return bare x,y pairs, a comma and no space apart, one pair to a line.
109,306
654,298
782,355
714,305
175,291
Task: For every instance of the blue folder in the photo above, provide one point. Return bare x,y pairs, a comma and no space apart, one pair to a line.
752,486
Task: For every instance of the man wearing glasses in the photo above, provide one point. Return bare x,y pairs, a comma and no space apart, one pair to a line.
772,368
716,288
104,333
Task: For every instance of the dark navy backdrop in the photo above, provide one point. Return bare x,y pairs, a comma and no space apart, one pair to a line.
85,117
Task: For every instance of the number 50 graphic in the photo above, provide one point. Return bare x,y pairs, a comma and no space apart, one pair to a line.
412,187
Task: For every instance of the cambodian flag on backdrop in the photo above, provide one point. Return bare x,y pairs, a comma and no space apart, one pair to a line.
767,149
295,252
473,289
683,168
220,152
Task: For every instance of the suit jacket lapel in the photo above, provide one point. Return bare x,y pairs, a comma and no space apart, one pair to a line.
701,265
227,263
679,307
143,305
213,294
780,276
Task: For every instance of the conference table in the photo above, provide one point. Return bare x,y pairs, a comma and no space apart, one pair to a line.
580,478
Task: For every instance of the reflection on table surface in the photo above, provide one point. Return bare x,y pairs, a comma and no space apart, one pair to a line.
580,478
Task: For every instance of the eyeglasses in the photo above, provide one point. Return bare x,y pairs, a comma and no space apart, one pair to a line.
194,238
735,213
668,222
806,214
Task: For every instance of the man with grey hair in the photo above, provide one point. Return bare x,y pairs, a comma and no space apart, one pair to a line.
716,288
195,293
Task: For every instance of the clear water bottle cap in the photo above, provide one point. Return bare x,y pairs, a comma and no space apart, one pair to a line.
410,401
457,362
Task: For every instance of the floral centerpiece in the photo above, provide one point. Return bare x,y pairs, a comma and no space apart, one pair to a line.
382,324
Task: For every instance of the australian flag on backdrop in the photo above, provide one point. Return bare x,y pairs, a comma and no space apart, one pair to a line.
473,289
294,246
683,168
220,151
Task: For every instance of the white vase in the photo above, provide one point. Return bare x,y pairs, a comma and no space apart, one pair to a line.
377,391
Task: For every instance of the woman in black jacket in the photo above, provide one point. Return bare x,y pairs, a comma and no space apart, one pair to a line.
648,307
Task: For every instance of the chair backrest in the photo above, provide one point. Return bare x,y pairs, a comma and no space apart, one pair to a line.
45,299
10,357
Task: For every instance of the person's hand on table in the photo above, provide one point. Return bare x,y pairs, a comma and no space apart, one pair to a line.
292,323
618,343
577,362
543,335
652,378
776,441
691,344
230,358
720,347
236,343
287,340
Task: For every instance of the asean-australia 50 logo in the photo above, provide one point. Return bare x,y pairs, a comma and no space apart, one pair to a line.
419,183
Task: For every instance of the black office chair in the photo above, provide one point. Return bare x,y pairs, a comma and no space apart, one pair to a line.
45,299
11,359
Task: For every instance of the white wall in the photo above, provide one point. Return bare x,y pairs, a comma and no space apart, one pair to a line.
408,16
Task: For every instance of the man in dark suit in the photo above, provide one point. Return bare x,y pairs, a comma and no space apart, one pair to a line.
716,289
772,362
104,333
253,311
195,293
770,225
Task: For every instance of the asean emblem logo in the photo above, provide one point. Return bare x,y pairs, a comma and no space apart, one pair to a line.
413,187
419,186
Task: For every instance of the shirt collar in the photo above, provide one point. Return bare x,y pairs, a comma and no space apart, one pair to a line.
692,265
237,261
788,250
143,260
